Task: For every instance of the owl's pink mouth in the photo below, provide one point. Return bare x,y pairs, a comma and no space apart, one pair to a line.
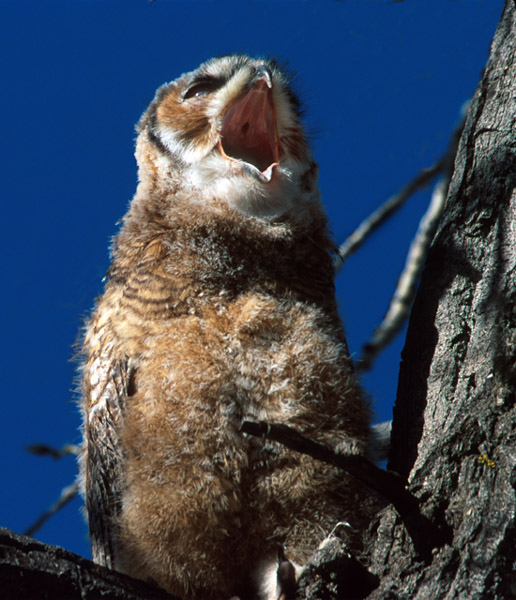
249,131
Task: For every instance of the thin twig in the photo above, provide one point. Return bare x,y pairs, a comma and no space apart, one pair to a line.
424,533
403,298
386,210
56,453
405,292
68,494
386,483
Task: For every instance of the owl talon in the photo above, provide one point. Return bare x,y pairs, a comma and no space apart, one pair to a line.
287,581
286,577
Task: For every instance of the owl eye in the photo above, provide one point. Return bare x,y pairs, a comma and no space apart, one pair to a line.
200,89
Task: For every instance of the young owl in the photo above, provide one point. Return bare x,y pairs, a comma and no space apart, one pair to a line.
219,308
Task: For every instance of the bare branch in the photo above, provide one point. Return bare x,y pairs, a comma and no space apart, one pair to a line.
386,210
31,570
425,534
403,298
387,483
46,450
404,294
68,494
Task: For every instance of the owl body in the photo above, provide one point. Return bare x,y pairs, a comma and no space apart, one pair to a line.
219,308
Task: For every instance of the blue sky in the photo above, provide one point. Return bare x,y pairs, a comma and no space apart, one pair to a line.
383,83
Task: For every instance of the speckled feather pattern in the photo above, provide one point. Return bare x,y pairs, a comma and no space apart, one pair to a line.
212,314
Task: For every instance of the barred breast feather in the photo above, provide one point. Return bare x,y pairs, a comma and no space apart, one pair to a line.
219,307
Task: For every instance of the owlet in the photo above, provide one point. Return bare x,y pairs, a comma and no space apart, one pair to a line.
219,307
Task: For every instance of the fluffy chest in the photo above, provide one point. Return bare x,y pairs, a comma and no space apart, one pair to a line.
218,321
253,356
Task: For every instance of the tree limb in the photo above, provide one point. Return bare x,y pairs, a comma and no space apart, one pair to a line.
353,242
406,288
389,485
67,495
30,570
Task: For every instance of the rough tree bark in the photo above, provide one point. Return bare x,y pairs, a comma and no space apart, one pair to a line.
30,570
454,429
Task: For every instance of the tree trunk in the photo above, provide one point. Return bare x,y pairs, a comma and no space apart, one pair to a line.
454,429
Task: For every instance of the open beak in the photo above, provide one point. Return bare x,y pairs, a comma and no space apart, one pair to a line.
249,132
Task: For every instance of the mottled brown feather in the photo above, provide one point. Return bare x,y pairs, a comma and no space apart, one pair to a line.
219,307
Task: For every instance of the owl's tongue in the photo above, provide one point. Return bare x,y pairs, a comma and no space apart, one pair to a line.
249,128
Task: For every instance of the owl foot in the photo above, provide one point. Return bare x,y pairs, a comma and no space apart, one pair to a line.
287,580
277,579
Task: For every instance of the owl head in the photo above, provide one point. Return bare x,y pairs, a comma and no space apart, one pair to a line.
230,134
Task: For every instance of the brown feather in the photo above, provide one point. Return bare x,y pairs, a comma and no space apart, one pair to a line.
220,307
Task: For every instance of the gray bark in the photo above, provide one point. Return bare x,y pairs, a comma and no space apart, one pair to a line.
30,570
454,428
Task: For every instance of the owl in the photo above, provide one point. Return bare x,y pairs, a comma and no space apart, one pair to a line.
219,307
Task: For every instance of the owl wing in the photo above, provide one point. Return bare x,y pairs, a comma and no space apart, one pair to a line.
104,464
